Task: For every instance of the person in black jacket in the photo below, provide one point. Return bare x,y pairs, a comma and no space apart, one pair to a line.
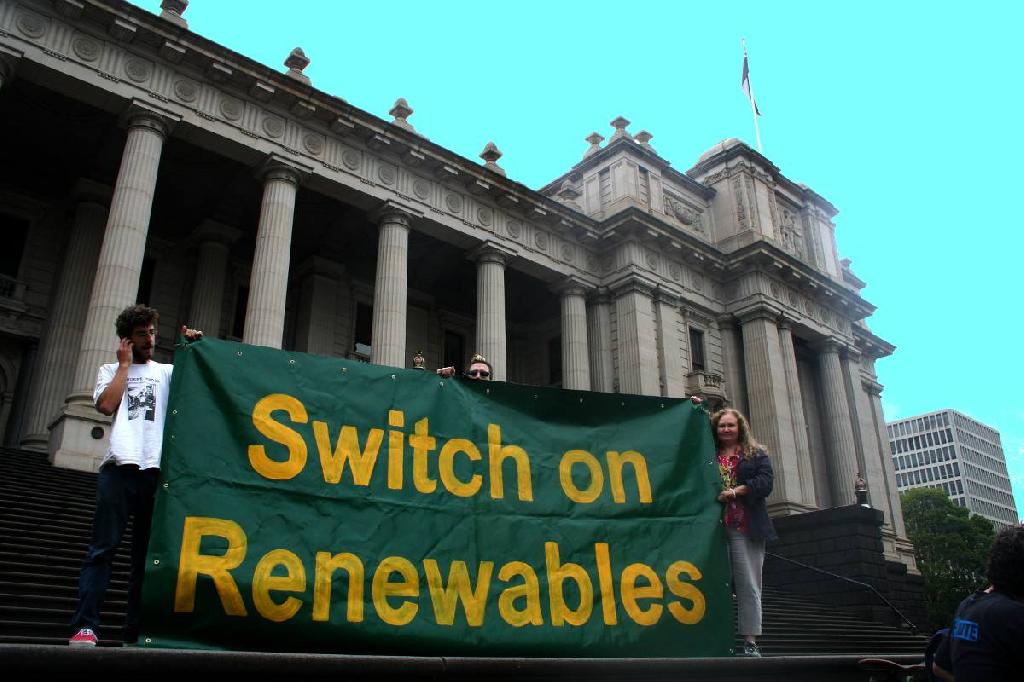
747,479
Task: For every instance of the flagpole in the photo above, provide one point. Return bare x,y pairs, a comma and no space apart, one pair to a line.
753,106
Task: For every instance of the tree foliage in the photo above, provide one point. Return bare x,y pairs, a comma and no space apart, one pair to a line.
951,546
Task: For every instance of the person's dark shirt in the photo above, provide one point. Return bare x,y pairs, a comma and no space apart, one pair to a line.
986,641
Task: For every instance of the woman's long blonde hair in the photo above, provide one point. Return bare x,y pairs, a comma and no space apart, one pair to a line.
748,445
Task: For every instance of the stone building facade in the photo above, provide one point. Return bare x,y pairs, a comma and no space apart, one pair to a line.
143,162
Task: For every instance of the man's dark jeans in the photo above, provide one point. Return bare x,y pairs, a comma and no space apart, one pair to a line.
121,492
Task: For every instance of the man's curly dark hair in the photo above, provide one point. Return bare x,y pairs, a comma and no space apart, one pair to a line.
1005,567
132,316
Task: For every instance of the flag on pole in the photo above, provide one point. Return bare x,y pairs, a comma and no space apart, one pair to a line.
745,84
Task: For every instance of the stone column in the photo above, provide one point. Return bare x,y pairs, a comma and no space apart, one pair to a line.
70,300
318,307
268,284
732,357
213,242
8,62
672,375
491,339
599,336
575,352
391,289
842,469
637,338
796,406
74,440
865,435
874,391
770,415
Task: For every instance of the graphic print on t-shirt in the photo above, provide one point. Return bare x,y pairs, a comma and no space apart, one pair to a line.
141,402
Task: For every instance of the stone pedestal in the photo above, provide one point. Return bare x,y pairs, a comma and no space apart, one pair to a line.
59,346
391,289
268,284
115,285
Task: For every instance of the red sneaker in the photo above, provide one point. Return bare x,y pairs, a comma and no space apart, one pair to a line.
84,637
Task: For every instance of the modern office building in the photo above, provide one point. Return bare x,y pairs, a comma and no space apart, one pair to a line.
952,452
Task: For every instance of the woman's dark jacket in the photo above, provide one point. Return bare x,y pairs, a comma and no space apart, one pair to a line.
756,473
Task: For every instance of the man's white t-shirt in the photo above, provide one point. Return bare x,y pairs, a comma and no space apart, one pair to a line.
138,433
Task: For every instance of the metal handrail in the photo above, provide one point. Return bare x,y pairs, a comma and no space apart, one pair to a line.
892,607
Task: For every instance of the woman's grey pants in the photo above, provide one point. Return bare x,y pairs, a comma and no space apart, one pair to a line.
747,557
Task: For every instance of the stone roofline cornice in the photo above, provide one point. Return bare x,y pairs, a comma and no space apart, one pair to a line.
785,266
872,344
332,111
637,223
741,149
634,148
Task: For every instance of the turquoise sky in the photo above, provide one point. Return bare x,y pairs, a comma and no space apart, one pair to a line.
905,115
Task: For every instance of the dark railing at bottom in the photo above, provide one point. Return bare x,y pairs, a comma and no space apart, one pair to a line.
871,588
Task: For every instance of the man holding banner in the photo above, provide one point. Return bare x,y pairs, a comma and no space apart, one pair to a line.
134,390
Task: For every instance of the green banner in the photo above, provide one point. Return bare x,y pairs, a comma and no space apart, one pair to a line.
318,504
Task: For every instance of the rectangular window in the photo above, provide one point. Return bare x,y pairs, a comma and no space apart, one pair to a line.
928,437
913,458
241,304
945,419
454,350
555,361
959,487
604,179
697,363
363,341
956,469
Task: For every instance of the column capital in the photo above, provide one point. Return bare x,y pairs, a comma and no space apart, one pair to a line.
633,283
662,295
212,231
830,345
142,114
394,213
785,322
276,167
760,311
726,321
90,191
491,252
318,265
599,296
872,387
571,286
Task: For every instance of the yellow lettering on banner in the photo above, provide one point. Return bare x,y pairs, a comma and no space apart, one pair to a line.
607,583
496,456
558,573
326,565
422,443
631,593
262,419
685,590
263,581
383,588
643,482
446,467
396,449
360,462
530,591
565,476
191,563
445,599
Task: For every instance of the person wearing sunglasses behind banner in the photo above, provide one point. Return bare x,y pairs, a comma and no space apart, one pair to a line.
479,369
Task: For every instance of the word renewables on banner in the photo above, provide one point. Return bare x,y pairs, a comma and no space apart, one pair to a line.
317,504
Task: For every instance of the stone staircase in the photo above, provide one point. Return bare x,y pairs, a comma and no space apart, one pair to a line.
45,521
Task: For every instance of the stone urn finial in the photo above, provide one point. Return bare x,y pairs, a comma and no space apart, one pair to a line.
490,155
620,124
644,138
401,111
171,10
595,139
296,62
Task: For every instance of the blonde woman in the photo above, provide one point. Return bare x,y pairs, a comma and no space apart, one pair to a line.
747,479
